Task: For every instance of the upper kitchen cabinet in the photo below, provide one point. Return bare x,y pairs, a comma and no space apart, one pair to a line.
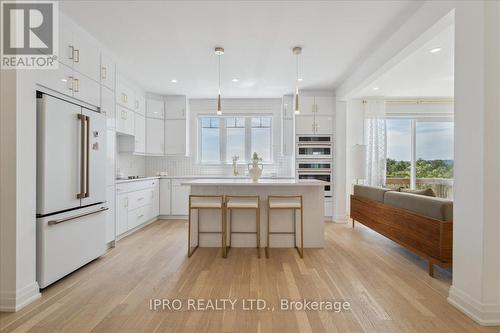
78,50
140,134
108,106
86,90
323,124
304,124
107,71
155,108
324,105
140,102
175,137
124,93
306,104
155,136
176,107
125,121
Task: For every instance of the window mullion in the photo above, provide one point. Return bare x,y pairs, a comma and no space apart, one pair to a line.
413,168
248,139
222,140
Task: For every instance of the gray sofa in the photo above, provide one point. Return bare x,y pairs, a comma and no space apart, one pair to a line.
420,222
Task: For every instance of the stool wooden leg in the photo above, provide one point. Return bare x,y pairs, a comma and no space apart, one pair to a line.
268,228
353,223
301,228
189,229
431,269
223,221
257,222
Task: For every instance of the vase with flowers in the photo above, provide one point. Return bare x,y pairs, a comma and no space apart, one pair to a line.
255,168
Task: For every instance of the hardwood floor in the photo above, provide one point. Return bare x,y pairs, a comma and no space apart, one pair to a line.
387,287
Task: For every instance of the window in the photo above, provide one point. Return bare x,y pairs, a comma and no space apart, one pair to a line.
261,137
221,138
210,137
420,154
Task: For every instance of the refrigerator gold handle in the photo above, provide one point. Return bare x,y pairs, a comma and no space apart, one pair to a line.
87,169
52,222
82,156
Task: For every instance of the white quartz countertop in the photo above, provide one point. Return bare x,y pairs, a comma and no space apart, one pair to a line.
249,182
120,181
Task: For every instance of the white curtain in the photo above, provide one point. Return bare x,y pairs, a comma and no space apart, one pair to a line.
376,142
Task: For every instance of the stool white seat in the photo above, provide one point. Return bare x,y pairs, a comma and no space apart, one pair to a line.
293,202
242,202
206,202
286,203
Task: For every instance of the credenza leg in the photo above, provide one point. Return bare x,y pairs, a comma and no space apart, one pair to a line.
353,223
431,269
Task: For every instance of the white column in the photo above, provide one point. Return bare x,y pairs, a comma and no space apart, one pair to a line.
355,129
476,237
340,164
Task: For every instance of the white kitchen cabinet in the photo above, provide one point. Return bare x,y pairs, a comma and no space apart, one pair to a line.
328,207
175,137
86,56
140,103
140,134
155,136
108,106
176,107
323,124
180,197
155,108
306,104
125,121
155,210
59,80
165,197
124,93
110,213
121,213
288,137
110,157
107,72
66,49
304,124
324,105
86,90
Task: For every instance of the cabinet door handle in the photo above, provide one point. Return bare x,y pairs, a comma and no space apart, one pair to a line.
71,52
104,72
124,115
70,83
76,56
124,98
76,87
141,198
140,216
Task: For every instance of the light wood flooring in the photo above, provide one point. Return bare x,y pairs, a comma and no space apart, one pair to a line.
387,287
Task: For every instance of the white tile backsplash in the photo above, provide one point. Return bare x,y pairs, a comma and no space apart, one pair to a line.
131,165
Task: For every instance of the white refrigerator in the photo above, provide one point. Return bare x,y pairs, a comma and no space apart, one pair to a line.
71,193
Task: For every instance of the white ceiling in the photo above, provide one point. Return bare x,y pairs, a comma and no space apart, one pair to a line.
157,41
422,73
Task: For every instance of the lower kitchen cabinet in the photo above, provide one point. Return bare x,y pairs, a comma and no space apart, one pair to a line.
110,214
165,197
180,197
136,203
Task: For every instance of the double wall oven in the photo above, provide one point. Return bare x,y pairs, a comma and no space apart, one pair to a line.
314,159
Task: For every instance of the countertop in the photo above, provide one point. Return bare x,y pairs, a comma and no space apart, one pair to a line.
120,181
249,182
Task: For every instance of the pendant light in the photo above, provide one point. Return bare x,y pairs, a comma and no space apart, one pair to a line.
297,51
219,51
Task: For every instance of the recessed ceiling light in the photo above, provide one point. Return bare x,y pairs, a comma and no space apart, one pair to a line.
435,50
376,88
300,79
173,81
235,80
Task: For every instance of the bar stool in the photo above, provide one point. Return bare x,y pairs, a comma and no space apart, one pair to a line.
292,202
244,202
206,202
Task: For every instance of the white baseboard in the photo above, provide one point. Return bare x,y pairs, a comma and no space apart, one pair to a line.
341,219
12,301
173,217
483,314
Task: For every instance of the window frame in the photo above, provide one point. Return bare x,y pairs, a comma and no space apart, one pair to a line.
413,140
223,159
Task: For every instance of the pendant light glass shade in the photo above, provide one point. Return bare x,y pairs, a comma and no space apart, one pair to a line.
219,51
297,51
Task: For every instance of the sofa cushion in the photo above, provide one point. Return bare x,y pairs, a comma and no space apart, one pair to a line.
436,208
428,191
370,192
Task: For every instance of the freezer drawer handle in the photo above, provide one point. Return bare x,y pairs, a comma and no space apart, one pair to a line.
52,222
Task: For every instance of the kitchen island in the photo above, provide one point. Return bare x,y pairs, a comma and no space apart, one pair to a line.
244,220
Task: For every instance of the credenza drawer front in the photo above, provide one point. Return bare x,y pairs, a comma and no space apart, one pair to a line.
140,198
